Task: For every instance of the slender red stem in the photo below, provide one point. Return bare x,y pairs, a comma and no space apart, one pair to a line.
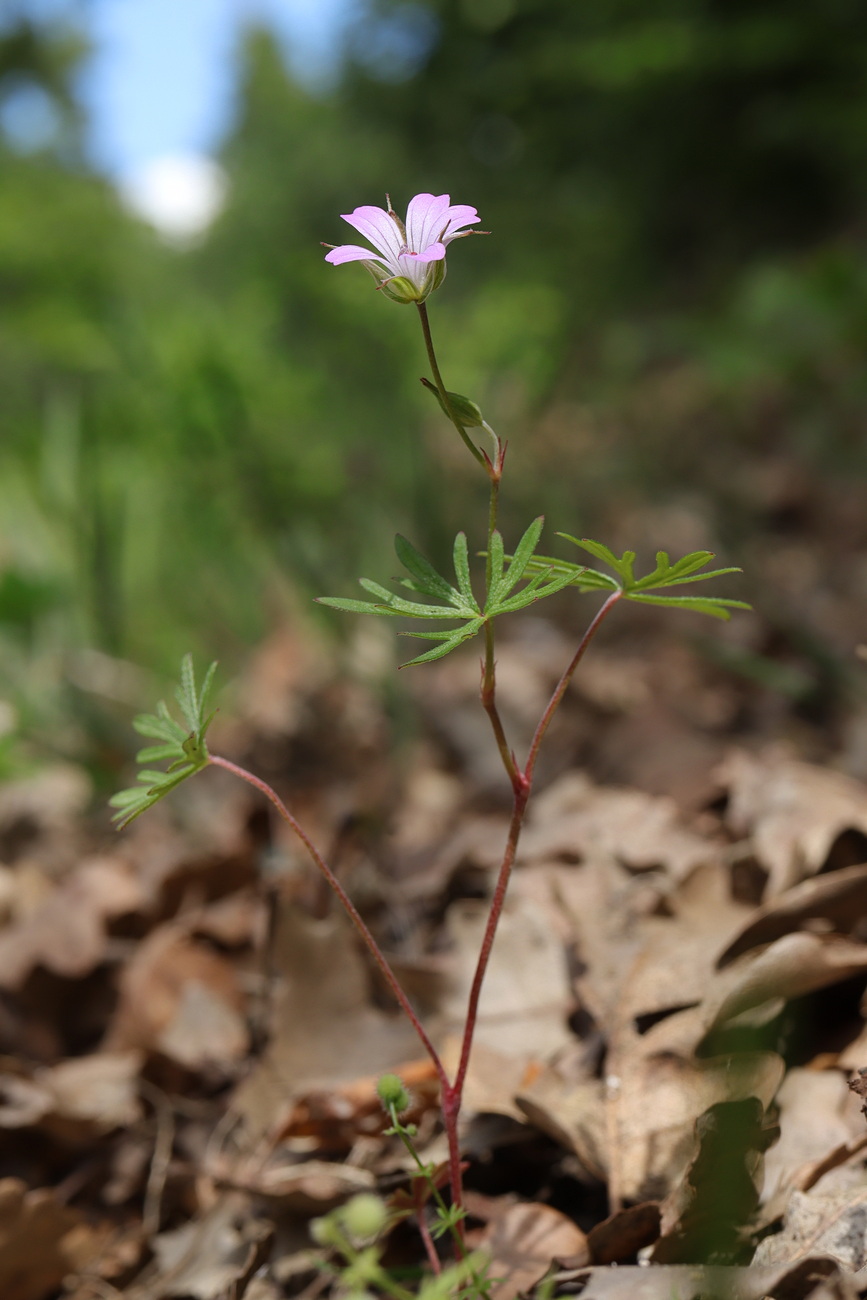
349,907
562,685
521,788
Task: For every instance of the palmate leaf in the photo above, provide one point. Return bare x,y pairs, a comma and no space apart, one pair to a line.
187,748
458,601
643,590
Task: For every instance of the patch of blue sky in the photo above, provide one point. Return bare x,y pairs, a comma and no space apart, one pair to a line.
161,77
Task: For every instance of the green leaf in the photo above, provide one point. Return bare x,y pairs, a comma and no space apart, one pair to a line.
666,574
447,642
350,606
187,750
497,558
427,580
393,604
146,724
584,578
537,589
156,753
466,410
523,554
460,603
462,570
622,567
716,606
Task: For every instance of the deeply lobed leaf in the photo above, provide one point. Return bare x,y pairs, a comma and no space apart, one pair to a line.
188,750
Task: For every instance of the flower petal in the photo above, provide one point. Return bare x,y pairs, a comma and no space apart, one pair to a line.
377,226
351,253
459,215
425,218
434,253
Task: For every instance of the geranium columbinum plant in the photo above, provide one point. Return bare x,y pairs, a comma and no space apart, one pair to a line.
408,265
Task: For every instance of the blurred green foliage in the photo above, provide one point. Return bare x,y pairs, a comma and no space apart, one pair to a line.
192,436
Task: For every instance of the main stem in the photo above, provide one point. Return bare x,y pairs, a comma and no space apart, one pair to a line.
522,784
521,779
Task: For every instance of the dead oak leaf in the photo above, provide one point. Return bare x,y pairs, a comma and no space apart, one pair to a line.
522,1241
207,1256
834,1225
575,819
41,1241
180,998
839,898
66,932
818,1115
326,1031
793,812
76,1100
692,1282
796,964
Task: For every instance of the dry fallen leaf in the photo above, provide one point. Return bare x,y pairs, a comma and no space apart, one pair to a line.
40,1242
792,966
654,1106
575,819
834,1224
206,1256
180,998
817,1115
522,1241
76,1100
687,1282
703,1217
793,812
525,1000
839,898
66,933
326,1032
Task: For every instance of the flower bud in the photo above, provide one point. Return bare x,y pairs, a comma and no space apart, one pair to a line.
391,1092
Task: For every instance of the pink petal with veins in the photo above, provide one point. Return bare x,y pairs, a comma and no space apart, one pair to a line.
425,218
434,253
459,216
377,226
351,253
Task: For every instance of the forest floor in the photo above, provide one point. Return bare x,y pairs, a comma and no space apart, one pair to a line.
673,1012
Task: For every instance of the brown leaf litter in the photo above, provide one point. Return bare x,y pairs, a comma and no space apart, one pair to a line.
657,1104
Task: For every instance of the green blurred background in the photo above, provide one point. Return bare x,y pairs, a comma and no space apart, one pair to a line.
671,308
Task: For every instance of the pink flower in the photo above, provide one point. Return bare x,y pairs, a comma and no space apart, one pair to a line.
409,261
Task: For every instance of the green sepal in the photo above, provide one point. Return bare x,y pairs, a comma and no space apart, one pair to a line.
401,289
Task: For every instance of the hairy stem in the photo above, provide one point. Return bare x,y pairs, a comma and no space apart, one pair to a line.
348,906
441,388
